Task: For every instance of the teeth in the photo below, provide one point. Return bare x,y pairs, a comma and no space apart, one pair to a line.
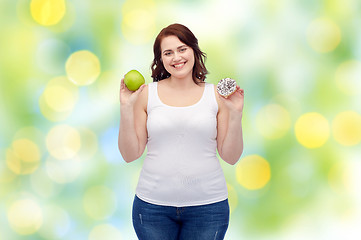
178,65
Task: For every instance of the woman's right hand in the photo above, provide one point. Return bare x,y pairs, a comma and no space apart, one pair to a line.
127,97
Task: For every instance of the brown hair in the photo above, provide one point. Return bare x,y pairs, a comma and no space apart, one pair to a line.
188,38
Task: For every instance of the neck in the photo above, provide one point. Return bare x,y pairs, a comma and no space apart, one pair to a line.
182,83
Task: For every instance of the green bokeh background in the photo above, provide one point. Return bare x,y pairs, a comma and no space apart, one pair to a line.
265,45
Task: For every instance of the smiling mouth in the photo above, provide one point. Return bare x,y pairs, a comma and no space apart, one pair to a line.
180,65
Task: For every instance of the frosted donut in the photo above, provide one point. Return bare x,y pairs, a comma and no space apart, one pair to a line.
226,87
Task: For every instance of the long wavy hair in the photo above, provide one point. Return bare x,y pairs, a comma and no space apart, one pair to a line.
187,37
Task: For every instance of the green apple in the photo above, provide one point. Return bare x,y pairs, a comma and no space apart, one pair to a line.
133,80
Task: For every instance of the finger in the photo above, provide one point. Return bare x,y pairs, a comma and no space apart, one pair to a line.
136,93
142,86
122,83
140,89
240,90
221,97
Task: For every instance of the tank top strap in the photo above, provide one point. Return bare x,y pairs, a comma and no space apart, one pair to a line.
210,97
152,98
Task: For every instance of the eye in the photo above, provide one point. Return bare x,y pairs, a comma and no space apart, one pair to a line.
167,53
183,49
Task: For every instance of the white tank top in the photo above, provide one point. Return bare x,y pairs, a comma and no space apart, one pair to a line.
181,167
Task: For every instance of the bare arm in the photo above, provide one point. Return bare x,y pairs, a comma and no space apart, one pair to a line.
229,127
132,137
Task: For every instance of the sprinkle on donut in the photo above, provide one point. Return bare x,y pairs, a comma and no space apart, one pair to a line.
226,87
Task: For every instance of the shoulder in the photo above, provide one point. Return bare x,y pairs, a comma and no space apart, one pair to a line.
214,87
218,97
142,100
161,83
144,92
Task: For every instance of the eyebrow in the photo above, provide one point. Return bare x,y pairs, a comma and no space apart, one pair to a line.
177,48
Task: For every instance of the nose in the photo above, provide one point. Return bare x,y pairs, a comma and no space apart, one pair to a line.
176,57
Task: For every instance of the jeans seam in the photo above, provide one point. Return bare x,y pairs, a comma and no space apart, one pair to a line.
215,236
140,217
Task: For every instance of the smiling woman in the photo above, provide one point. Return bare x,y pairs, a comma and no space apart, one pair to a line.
179,61
186,45
181,192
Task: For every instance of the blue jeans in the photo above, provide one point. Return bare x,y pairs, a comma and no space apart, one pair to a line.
155,222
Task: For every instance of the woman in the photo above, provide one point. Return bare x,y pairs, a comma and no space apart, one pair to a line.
182,192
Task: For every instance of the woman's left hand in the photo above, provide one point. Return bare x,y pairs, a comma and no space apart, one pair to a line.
235,102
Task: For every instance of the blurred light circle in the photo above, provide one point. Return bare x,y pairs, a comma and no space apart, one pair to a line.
16,53
323,35
26,150
47,12
63,171
32,133
63,142
25,216
273,121
312,130
346,128
51,55
56,223
105,232
253,172
23,157
99,202
89,144
42,184
129,5
232,197
138,25
348,77
50,113
6,175
82,68
58,99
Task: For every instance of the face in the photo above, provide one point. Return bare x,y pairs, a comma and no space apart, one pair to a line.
177,57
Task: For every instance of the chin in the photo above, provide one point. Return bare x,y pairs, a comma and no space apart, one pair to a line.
181,75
